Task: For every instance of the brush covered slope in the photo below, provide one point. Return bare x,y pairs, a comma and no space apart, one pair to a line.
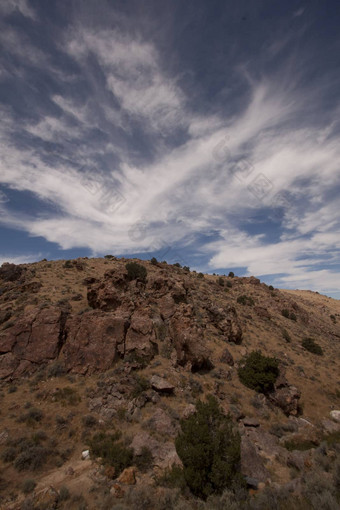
111,355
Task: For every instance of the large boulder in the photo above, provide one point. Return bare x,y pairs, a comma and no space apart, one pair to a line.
285,395
141,337
94,341
188,341
36,338
252,464
335,415
227,322
287,398
162,385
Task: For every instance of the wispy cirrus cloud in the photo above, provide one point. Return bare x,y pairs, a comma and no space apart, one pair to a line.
120,160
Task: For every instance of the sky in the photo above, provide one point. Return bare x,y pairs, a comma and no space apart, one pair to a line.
200,132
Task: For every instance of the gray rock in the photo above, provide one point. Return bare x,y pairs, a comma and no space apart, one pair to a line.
335,415
162,385
252,465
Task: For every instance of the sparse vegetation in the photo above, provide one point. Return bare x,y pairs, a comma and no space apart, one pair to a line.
144,460
288,315
231,274
245,300
113,452
67,396
56,369
28,486
136,271
259,372
154,261
310,345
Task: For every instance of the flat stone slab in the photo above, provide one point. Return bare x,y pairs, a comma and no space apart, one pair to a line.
160,384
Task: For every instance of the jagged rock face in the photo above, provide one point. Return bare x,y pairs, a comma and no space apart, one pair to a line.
141,337
226,321
188,340
252,464
11,272
94,340
34,339
285,395
287,398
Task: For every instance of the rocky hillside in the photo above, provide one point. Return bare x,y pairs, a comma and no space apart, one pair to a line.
91,346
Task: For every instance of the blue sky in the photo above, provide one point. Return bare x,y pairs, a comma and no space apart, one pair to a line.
200,132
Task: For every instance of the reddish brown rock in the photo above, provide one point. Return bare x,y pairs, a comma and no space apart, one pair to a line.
226,357
287,398
35,338
104,296
93,340
226,320
285,395
141,337
128,476
10,272
188,341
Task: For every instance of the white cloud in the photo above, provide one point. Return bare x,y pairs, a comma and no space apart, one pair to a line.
8,6
185,190
21,259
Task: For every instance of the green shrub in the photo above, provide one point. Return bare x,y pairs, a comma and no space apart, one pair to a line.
289,315
245,300
112,452
33,415
173,478
271,287
229,284
28,486
136,271
200,275
220,281
67,396
333,319
109,257
64,493
140,385
9,454
89,421
231,274
186,269
259,372
310,345
177,264
154,261
209,448
31,458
